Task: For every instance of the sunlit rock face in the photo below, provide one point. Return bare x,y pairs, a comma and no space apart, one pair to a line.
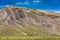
38,20
3,15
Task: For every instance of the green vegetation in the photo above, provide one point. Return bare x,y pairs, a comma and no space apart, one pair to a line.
30,38
12,33
24,31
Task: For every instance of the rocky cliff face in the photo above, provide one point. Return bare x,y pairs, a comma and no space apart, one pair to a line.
21,21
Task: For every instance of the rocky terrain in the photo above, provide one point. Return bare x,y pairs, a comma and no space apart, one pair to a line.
18,21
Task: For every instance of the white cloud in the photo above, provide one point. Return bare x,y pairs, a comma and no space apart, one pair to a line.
37,1
19,3
23,3
56,11
26,2
6,5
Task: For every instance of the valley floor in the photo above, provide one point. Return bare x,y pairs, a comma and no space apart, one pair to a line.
30,38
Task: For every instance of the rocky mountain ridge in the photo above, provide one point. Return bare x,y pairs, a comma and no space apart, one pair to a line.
29,22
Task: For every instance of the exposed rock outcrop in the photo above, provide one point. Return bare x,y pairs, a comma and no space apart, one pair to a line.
38,20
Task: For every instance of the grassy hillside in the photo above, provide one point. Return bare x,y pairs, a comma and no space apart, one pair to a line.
30,38
24,31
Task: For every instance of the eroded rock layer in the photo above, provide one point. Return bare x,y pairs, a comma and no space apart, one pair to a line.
29,21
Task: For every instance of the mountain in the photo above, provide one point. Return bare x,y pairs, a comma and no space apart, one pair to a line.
19,21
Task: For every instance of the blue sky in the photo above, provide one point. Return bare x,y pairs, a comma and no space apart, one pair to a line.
50,5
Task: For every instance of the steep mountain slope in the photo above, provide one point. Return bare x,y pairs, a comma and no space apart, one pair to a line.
17,21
